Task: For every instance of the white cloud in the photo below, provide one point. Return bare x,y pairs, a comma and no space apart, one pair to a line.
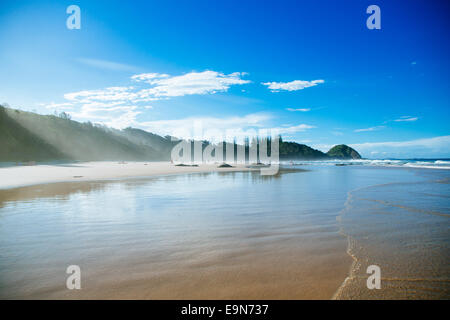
162,86
298,109
291,86
407,119
370,129
206,82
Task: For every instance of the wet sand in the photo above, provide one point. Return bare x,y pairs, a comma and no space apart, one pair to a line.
229,235
404,229
238,260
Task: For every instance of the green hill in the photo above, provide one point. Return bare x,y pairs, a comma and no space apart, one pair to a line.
293,151
19,144
162,145
343,152
296,151
27,136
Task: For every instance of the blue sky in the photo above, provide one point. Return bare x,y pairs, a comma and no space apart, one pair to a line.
310,70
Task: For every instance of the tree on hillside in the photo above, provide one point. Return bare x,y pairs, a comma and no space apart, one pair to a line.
65,116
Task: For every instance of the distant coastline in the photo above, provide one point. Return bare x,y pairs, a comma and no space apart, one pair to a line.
31,137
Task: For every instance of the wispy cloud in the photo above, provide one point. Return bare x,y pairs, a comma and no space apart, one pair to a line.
293,129
108,65
370,129
406,119
149,76
298,109
110,94
291,86
119,106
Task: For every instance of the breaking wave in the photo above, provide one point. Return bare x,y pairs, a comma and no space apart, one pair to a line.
426,164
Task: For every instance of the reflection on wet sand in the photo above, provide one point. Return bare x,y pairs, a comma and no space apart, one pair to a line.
226,235
231,254
62,190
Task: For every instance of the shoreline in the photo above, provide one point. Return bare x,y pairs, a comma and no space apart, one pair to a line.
24,176
396,284
44,173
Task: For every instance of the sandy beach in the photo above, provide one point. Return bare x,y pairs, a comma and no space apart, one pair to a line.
20,176
221,233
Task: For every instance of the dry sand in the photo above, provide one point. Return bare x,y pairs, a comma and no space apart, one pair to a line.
20,176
